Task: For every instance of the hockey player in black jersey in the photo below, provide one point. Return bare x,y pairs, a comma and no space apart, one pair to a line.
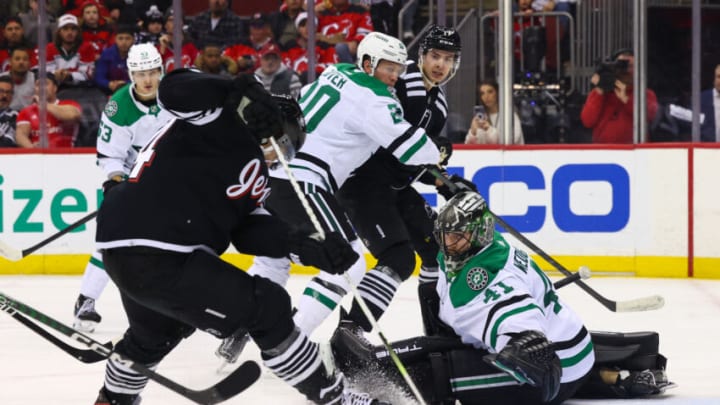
391,217
198,186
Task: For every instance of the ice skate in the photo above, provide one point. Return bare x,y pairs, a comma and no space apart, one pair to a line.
86,318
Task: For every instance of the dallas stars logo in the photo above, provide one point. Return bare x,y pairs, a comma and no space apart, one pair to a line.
477,278
111,108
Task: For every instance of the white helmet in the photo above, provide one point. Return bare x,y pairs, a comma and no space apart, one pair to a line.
379,46
143,57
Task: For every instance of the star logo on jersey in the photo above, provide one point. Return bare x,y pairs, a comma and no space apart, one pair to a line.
477,278
111,108
154,110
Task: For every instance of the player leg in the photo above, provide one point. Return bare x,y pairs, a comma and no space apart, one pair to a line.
419,219
373,211
93,283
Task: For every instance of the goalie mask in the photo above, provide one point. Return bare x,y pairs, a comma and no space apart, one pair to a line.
293,130
464,226
443,39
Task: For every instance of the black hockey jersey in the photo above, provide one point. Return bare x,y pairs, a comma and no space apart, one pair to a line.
421,108
196,182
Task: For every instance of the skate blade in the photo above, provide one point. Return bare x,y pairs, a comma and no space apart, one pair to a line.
85,326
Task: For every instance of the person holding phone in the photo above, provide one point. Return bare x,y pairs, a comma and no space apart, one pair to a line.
486,127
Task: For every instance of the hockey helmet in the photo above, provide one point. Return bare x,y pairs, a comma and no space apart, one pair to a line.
444,39
378,46
143,57
293,126
463,227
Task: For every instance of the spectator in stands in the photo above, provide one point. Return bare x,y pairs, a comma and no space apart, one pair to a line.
188,51
70,58
710,106
95,28
274,75
217,25
296,57
246,54
344,25
8,116
111,70
53,7
486,127
62,119
23,79
384,16
29,18
152,27
212,60
14,37
282,23
610,114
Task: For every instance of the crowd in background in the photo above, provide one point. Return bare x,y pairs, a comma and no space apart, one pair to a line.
88,42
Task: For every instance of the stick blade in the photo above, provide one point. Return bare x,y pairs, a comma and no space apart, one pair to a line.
650,303
238,381
9,252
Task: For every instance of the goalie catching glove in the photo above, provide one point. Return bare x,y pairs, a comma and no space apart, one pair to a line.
333,254
530,358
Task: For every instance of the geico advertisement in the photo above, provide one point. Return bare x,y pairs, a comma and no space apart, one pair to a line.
570,202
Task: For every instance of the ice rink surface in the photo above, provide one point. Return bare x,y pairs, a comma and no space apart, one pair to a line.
32,371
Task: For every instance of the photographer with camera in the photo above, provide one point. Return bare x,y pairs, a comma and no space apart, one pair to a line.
608,110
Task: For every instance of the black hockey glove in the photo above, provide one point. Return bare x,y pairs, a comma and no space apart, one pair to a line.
333,254
112,182
256,107
445,147
460,185
530,358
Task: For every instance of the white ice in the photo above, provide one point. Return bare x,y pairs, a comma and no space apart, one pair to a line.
32,371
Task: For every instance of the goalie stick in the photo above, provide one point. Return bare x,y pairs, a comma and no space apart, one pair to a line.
239,380
635,305
14,254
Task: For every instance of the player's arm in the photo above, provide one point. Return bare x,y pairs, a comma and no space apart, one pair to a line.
113,142
410,145
262,234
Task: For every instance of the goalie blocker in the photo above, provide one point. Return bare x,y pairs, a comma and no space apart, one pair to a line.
446,370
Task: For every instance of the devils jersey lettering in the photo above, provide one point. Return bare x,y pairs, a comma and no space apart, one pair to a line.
197,180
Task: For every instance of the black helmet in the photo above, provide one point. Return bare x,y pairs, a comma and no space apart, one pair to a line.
444,39
293,134
467,216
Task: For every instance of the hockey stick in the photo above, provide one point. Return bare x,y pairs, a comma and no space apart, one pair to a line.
319,229
14,254
582,274
239,380
639,304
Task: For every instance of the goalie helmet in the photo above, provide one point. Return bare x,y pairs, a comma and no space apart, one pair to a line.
444,39
464,226
143,57
293,127
378,46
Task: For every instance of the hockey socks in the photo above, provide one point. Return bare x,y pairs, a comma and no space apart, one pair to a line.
297,361
123,385
377,288
95,278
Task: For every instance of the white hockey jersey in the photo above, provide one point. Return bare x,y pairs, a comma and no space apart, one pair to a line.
501,290
349,115
126,126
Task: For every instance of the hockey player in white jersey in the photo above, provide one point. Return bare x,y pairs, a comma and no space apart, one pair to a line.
131,117
350,111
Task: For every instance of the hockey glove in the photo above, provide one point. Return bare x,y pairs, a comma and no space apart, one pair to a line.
445,147
112,182
530,358
256,107
333,254
460,185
